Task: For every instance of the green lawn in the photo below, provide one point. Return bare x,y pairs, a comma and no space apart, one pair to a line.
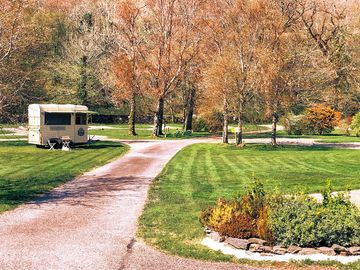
329,138
5,132
27,171
200,174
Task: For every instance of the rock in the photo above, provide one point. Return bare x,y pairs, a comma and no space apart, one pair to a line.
338,248
327,251
354,251
266,254
255,248
266,249
308,251
279,250
345,253
216,237
258,241
294,249
238,243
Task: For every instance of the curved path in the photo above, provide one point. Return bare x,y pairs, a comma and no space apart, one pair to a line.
90,222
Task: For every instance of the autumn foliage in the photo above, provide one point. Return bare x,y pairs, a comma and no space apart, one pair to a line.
321,119
245,217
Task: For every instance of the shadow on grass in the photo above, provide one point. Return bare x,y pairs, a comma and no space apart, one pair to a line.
13,193
91,146
97,145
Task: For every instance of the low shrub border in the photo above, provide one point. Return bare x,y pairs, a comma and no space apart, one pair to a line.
281,224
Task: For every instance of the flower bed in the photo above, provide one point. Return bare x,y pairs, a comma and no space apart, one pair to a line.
293,224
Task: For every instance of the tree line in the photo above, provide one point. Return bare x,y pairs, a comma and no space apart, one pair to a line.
181,57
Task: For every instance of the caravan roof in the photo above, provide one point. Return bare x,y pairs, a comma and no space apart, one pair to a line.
56,108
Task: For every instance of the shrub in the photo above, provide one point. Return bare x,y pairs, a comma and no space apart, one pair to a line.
214,121
200,125
321,119
344,126
287,220
293,124
301,220
355,124
243,217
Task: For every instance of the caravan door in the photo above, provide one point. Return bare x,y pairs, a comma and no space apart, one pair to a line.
81,128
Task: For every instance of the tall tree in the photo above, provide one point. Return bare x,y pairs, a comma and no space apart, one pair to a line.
128,62
171,28
89,39
25,44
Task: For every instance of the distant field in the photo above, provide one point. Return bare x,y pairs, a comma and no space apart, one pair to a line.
27,171
144,131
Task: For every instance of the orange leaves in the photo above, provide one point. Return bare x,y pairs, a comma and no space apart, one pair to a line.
321,119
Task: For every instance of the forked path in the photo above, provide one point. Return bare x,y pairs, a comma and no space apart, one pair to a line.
90,222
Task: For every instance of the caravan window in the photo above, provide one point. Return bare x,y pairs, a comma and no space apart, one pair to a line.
81,119
57,119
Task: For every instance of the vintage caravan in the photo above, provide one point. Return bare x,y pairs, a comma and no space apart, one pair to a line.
53,122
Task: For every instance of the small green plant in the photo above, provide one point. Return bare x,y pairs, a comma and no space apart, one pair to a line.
200,125
355,125
301,220
293,124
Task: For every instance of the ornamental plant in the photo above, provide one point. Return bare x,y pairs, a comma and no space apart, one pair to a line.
243,217
286,220
320,119
355,124
302,221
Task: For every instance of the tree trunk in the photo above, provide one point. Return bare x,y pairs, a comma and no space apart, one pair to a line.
159,117
226,123
275,119
132,116
239,137
190,110
82,87
173,117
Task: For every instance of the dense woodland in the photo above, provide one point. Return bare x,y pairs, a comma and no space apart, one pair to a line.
246,60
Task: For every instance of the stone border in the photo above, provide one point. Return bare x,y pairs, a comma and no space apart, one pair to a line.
258,249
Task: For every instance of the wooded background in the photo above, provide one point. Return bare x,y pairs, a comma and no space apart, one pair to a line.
249,60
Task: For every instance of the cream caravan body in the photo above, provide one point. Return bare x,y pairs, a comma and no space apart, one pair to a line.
51,122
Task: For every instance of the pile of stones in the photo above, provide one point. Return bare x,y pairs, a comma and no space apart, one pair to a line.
261,246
